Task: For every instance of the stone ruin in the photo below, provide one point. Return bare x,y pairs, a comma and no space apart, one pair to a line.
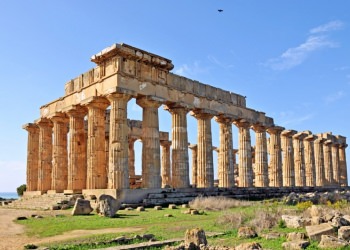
83,141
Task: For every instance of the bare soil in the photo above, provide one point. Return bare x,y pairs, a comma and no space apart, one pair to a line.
13,236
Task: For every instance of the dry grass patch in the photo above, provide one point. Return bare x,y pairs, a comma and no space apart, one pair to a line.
217,203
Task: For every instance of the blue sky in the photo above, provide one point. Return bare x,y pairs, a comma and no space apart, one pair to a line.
290,58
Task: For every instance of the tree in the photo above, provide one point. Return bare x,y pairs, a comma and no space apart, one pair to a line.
21,189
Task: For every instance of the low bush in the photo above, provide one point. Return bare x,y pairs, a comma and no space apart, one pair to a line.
21,189
217,203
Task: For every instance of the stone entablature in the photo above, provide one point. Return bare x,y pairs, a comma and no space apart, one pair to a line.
84,140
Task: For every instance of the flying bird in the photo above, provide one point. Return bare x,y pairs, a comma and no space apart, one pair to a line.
220,10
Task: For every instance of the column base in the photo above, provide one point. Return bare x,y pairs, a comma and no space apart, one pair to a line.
73,191
99,192
32,193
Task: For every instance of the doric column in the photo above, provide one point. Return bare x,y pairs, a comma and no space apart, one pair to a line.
288,171
32,156
328,167
275,164
180,166
150,142
310,161
342,164
194,148
96,156
131,154
261,165
165,166
59,154
77,164
118,166
235,166
319,161
299,159
205,169
335,164
225,168
45,154
245,167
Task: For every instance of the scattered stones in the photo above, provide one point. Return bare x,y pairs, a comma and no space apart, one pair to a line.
38,217
194,212
195,236
246,232
147,236
315,211
271,236
185,206
344,233
338,222
65,207
168,215
82,207
317,220
315,232
172,206
293,221
331,242
249,246
295,245
21,218
140,209
129,209
294,236
55,207
158,208
107,206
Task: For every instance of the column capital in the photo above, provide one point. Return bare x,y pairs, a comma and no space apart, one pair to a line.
258,127
202,113
59,117
96,102
300,136
118,96
225,119
242,123
165,143
320,140
328,142
275,129
310,138
343,145
43,122
177,106
75,111
193,146
288,133
30,127
149,101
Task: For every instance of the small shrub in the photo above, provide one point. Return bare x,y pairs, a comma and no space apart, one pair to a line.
265,219
340,204
282,224
231,220
216,203
30,246
304,205
21,189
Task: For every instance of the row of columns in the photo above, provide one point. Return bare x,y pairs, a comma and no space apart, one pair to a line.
296,159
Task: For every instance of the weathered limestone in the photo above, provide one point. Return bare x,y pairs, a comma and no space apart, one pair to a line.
342,161
96,157
45,154
118,167
275,165
335,163
319,161
225,167
180,165
309,160
328,167
32,156
77,164
245,167
150,142
59,153
288,158
131,156
194,148
299,159
261,164
205,169
165,166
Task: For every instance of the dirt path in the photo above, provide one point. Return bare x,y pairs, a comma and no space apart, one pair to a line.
12,235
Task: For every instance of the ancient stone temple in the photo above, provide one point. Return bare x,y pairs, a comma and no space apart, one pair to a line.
84,140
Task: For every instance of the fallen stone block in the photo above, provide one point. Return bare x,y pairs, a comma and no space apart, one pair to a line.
295,245
82,207
331,242
315,232
344,233
293,221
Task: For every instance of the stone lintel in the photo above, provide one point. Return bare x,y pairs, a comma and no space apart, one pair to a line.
127,51
119,90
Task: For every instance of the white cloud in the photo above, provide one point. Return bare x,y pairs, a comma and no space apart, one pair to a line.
334,97
217,62
290,119
333,25
297,55
192,70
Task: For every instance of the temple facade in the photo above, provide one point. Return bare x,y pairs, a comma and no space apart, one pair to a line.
85,141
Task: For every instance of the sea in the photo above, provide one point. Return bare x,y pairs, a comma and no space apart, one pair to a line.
8,195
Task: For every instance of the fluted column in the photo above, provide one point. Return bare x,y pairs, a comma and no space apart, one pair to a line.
194,147
45,154
335,164
77,165
96,156
299,159
328,167
118,166
275,164
245,167
165,166
205,169
319,162
310,170
32,156
288,158
180,165
131,154
225,168
261,165
343,165
59,154
150,142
